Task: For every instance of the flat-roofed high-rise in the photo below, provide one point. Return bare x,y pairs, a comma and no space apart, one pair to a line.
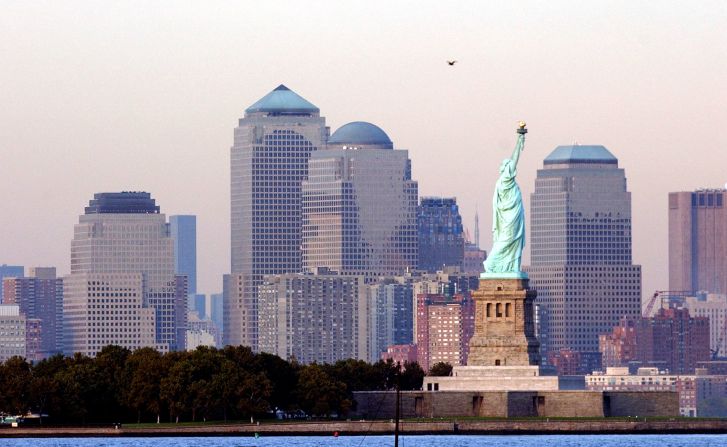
268,162
122,289
698,241
581,250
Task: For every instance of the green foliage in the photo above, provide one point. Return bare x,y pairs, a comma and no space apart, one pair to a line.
144,385
440,369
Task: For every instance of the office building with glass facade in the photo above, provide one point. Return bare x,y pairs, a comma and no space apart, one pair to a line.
268,163
122,288
184,233
580,242
359,205
441,236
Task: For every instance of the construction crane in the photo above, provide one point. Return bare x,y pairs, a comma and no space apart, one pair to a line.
664,295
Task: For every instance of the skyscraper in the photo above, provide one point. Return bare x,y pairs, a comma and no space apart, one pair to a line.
359,205
40,299
441,239
268,162
581,250
122,288
390,303
184,233
698,241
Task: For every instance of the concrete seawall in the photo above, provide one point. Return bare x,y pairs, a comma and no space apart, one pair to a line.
359,428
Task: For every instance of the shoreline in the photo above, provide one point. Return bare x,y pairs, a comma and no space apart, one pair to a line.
362,428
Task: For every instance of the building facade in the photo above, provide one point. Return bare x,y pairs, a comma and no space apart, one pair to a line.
714,308
359,205
698,241
441,236
444,328
671,340
694,390
10,271
268,163
40,298
122,288
13,325
390,315
183,229
581,263
313,317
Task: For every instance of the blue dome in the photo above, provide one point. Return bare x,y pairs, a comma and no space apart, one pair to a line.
580,154
360,132
284,101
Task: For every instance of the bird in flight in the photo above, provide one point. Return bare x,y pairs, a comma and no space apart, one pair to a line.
451,62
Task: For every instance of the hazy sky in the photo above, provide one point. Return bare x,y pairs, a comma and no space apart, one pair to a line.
110,96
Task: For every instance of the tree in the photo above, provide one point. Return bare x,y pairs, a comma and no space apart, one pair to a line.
440,369
143,372
412,376
175,388
319,394
15,379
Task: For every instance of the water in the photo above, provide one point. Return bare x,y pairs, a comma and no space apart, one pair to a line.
386,441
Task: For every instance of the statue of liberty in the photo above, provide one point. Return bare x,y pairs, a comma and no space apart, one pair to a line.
508,219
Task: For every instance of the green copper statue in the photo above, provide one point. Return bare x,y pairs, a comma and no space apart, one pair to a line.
508,219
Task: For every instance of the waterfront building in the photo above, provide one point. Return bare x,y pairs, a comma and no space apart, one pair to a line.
698,241
714,308
122,288
581,262
183,229
268,163
313,317
441,237
444,328
201,332
671,340
694,390
9,271
12,332
40,299
359,205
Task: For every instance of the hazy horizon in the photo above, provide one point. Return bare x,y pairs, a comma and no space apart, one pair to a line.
112,96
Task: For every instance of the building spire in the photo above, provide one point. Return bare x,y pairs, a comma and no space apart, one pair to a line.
477,228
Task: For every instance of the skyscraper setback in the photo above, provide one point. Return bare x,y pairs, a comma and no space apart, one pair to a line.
581,249
268,162
122,288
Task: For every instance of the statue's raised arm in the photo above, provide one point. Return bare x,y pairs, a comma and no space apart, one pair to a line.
508,219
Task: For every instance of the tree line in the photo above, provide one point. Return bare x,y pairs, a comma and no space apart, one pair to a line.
144,385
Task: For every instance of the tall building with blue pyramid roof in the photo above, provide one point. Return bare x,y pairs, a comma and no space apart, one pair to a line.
580,252
268,162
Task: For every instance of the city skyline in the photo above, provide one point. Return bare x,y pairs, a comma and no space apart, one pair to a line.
644,82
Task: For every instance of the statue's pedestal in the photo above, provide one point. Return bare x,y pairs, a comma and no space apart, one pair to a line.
504,324
504,352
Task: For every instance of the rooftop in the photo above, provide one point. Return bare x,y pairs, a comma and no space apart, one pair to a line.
283,101
124,202
361,132
580,154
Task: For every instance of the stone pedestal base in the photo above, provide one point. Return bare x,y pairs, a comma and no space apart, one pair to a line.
504,324
503,378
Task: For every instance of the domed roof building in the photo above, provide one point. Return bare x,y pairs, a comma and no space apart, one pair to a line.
361,133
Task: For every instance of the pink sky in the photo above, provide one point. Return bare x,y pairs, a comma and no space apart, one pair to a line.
110,96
